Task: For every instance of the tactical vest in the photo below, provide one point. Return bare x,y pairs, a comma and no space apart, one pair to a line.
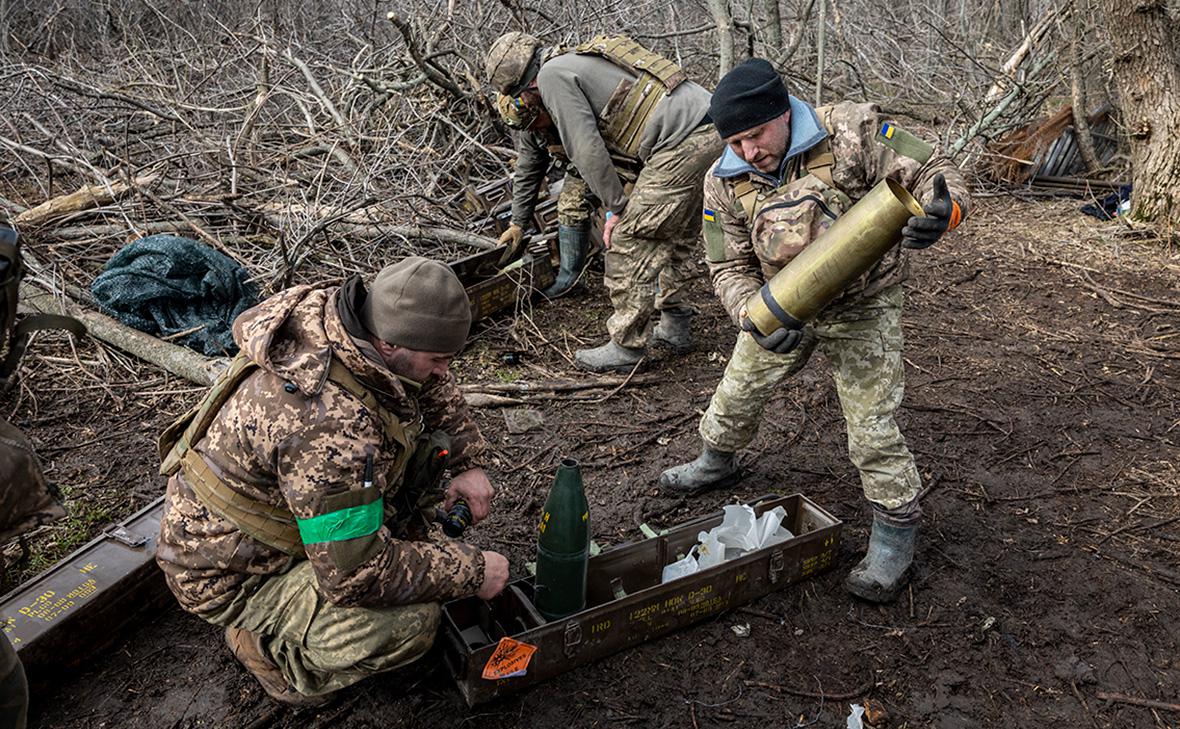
273,525
15,334
817,161
625,117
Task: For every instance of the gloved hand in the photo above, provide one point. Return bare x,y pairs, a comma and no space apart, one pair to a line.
780,341
923,231
513,237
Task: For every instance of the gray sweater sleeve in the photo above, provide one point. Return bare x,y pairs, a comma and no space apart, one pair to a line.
578,126
532,162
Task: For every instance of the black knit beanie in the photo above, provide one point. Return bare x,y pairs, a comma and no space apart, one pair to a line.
750,94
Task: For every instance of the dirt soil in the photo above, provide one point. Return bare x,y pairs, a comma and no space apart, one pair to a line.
1043,364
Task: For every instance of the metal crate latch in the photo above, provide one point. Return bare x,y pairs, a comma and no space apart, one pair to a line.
777,560
573,638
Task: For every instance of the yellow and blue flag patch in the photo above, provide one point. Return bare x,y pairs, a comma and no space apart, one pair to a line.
707,214
887,130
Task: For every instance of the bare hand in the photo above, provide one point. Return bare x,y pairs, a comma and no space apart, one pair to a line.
495,575
473,487
607,227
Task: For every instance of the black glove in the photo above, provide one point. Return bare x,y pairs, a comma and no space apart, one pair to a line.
780,341
922,232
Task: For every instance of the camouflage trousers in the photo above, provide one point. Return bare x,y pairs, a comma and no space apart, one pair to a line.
863,341
653,244
320,647
14,690
575,204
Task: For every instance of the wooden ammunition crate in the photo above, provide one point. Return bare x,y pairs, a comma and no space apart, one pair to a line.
491,290
85,602
626,604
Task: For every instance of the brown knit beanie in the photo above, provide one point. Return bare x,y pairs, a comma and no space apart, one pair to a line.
418,304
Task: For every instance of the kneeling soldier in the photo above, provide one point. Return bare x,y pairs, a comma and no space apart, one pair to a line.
290,517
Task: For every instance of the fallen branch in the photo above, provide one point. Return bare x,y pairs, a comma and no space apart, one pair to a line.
1148,703
558,385
180,361
90,196
484,400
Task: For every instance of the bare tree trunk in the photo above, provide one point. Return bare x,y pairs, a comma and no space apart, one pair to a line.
1146,43
819,46
1077,79
774,27
724,22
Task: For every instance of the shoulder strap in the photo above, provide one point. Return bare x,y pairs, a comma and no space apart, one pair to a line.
13,334
622,51
820,159
747,196
178,438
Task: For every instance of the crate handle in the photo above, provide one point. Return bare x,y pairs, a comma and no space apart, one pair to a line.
573,637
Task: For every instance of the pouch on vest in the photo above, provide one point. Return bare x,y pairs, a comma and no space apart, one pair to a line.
413,504
625,115
14,330
27,500
273,525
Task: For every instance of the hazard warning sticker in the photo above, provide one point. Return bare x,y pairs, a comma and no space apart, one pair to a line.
511,658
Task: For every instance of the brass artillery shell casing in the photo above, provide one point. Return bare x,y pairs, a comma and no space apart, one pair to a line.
856,241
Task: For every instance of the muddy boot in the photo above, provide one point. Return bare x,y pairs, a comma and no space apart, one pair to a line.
674,330
885,569
610,357
247,648
711,469
572,247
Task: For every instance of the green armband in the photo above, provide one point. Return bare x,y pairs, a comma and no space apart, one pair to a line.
351,522
904,143
714,237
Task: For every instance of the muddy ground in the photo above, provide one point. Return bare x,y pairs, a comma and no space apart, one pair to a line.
1043,367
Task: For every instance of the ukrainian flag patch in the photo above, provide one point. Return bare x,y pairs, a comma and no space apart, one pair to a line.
707,214
887,130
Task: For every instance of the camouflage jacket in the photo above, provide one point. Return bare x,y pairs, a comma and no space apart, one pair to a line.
289,434
796,207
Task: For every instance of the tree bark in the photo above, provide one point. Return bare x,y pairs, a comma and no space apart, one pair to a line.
1146,44
724,23
180,361
1077,86
774,27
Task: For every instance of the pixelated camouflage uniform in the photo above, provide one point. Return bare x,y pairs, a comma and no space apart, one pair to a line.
291,436
860,332
653,242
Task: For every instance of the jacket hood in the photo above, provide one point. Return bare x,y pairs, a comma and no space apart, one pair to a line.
806,132
297,332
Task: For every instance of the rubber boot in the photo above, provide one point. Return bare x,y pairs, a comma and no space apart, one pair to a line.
247,648
885,569
711,469
674,330
572,247
610,357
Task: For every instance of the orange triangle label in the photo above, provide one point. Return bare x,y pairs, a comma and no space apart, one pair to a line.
511,658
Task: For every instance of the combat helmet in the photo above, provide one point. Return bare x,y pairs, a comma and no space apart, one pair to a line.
513,113
513,62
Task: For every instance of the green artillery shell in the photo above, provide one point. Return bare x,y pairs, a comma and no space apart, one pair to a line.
563,545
